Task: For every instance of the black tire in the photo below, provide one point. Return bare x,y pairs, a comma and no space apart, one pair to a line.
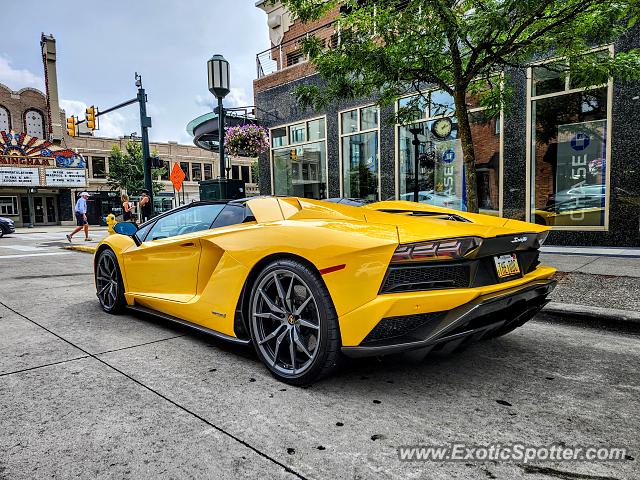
108,279
313,332
1,233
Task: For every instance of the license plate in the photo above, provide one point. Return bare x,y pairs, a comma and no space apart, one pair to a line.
507,265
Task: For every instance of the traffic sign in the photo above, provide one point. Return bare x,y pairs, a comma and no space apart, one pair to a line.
177,176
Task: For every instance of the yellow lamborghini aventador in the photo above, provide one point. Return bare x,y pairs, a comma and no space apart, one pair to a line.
308,281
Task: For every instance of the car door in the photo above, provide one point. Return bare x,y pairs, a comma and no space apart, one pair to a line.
165,264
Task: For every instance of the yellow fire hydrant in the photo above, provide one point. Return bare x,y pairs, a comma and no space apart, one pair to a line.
111,221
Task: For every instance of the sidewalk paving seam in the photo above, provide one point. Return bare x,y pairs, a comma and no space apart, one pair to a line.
139,345
174,403
43,366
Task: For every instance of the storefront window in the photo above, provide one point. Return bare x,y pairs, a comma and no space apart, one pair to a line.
441,172
185,168
196,172
167,170
359,151
8,205
98,167
208,171
569,154
299,167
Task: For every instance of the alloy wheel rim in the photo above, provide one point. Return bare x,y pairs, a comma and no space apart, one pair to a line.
286,322
107,281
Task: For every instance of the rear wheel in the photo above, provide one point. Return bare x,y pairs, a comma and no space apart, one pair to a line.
294,326
109,285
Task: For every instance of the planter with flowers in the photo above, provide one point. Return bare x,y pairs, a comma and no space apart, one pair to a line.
246,140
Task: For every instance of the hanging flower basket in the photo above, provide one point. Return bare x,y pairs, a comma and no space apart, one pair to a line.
246,140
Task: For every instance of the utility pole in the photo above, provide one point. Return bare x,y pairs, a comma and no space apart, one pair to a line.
145,124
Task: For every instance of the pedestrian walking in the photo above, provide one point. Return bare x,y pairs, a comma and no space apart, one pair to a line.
145,206
127,208
81,217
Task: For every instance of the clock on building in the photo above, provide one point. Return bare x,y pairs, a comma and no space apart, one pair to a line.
442,127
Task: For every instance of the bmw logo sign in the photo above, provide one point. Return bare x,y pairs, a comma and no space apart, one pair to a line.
448,156
580,141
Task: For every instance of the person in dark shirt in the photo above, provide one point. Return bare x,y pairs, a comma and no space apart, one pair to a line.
145,206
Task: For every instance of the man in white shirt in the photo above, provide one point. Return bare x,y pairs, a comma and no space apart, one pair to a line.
81,217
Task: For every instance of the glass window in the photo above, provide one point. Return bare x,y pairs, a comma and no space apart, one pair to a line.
188,220
415,102
360,163
349,122
208,171
34,122
569,159
316,130
368,118
196,172
244,170
8,205
549,78
232,214
300,170
167,170
98,165
279,137
297,133
185,168
440,176
5,120
441,104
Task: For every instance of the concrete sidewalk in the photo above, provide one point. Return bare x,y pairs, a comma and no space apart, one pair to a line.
595,283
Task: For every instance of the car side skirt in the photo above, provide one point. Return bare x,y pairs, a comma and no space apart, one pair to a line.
467,323
186,323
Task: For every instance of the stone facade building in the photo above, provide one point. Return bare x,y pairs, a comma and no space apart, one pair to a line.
562,156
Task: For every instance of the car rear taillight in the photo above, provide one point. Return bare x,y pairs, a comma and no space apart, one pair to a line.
449,249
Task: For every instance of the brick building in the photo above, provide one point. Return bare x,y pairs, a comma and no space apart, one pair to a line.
561,156
38,169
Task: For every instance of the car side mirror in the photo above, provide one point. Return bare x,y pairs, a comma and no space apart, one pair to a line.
125,228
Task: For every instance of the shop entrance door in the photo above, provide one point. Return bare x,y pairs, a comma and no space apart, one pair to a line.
44,210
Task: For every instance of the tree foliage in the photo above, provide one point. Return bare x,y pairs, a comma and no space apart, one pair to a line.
126,170
467,48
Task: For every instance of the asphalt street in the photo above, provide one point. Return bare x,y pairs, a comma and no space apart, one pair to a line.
84,394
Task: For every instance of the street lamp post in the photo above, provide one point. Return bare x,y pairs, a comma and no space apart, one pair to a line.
415,131
218,70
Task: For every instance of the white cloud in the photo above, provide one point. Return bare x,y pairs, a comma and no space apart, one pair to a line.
112,125
16,78
237,97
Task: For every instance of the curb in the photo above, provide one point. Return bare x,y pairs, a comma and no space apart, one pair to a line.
81,248
588,314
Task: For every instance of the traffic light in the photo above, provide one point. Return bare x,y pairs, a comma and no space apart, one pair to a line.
156,162
91,117
71,126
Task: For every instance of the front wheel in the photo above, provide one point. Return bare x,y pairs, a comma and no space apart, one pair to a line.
293,323
109,285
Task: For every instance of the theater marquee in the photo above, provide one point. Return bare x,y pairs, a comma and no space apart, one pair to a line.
27,161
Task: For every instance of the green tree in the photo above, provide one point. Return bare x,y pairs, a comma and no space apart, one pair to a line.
467,48
126,170
255,171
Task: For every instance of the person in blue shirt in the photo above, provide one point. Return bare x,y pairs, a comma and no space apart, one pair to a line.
81,217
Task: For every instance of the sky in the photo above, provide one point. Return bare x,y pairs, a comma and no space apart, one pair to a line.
101,44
